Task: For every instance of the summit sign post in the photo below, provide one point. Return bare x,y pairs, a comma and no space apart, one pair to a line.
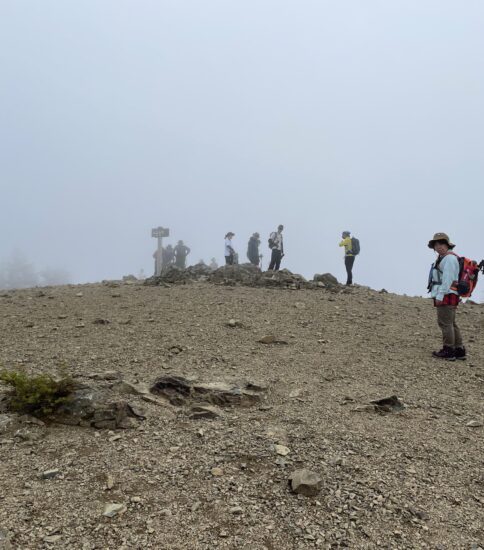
159,233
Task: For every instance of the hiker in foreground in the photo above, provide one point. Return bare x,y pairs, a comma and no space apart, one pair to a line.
276,244
443,281
352,249
229,249
253,249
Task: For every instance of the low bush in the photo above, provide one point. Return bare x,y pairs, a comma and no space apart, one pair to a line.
38,395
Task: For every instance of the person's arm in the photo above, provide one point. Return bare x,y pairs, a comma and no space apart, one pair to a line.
343,242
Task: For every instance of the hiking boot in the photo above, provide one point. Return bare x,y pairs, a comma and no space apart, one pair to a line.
460,353
445,353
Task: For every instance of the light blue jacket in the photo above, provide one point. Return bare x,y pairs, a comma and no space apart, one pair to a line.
444,276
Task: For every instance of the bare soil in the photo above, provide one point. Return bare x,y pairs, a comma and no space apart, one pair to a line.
410,479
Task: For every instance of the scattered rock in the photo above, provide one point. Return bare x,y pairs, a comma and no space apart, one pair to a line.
109,482
204,411
305,482
282,450
217,472
271,339
50,474
101,321
51,539
132,388
112,509
388,404
474,424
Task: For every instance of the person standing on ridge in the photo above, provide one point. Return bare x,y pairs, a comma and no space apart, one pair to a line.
229,249
350,254
276,244
253,249
167,257
180,253
444,273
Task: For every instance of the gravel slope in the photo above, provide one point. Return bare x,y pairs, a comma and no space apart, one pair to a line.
413,479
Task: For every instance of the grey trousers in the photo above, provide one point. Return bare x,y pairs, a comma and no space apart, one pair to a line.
450,331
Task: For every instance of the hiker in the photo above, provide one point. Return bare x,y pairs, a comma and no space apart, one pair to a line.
229,249
167,256
213,264
253,249
276,244
158,259
444,273
350,255
180,253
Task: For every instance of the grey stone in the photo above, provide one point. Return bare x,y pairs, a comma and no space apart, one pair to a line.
327,279
305,482
50,474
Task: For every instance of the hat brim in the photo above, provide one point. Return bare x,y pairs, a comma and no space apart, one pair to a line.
433,241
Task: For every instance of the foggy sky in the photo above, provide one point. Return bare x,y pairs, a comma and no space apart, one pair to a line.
217,115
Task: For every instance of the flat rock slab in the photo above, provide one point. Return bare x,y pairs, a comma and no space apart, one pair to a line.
179,389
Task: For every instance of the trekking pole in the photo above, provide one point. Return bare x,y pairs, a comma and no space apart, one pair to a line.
481,266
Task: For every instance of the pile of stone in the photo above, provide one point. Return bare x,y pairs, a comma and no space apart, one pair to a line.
242,274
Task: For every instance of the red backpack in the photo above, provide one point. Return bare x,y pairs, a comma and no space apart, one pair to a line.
468,274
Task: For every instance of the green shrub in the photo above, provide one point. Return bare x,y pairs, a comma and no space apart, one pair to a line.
37,395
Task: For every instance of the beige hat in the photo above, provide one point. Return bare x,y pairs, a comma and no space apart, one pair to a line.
440,237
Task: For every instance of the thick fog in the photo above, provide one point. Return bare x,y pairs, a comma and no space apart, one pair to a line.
204,117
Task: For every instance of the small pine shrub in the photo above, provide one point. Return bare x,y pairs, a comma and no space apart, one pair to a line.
38,395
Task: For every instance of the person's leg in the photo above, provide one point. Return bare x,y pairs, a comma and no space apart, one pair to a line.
445,320
457,333
278,260
273,260
349,266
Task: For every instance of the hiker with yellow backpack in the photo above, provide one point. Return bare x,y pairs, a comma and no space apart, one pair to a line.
451,278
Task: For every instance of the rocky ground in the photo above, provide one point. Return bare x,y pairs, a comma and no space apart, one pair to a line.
412,478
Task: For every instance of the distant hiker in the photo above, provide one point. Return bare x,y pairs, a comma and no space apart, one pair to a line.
213,264
352,249
253,249
444,273
167,257
276,244
181,252
229,249
158,259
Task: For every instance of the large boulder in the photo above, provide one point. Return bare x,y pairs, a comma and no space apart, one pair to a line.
86,407
327,279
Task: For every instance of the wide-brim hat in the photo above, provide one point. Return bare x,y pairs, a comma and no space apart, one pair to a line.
440,237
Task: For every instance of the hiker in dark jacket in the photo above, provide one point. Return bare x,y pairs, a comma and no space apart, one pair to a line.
445,271
253,249
181,252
